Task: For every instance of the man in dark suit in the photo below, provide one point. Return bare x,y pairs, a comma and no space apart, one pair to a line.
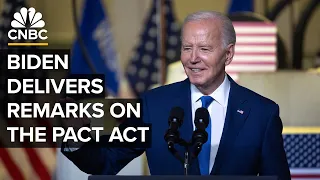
245,130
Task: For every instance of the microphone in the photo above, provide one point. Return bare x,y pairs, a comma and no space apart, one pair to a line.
200,135
175,121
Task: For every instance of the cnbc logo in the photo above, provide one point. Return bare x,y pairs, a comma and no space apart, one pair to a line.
27,26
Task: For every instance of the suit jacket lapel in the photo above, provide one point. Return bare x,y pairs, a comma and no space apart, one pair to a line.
237,112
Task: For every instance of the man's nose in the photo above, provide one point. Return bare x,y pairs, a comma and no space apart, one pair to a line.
194,56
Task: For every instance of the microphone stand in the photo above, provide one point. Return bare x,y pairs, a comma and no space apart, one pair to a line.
186,161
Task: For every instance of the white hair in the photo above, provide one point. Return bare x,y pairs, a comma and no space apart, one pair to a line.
228,32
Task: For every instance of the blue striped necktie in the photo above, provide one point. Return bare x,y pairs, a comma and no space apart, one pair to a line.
204,155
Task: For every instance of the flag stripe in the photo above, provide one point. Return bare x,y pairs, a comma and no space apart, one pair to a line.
312,176
254,39
251,68
256,30
254,24
239,57
4,174
305,171
48,156
252,63
262,35
255,54
255,43
37,164
11,166
254,49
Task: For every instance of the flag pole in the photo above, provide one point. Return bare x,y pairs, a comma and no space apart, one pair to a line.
162,25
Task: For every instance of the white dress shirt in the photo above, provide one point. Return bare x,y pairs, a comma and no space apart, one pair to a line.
217,110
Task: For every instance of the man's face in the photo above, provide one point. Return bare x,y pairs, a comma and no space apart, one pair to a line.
202,53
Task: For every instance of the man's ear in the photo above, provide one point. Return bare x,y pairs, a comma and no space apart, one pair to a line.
229,54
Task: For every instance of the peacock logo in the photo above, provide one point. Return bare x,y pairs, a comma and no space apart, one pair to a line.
27,25
20,18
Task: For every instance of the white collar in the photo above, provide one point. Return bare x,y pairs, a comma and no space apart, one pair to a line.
220,94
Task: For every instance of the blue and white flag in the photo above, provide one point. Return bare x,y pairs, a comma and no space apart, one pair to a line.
98,41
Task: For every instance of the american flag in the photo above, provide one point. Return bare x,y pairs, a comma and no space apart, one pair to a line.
143,70
303,153
20,163
255,49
